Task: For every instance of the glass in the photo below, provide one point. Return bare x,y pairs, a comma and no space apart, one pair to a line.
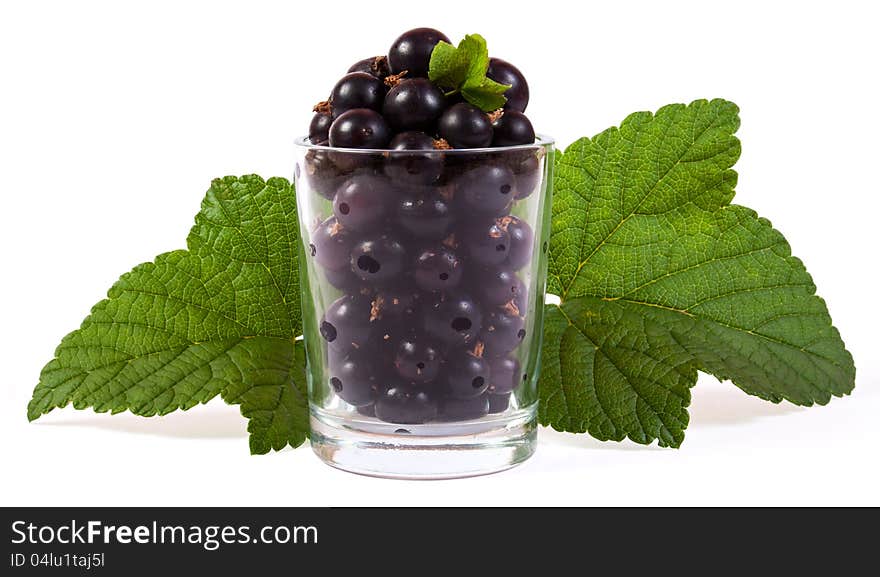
423,279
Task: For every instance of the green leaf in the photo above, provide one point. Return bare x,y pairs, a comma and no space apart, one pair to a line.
219,318
485,94
642,219
463,69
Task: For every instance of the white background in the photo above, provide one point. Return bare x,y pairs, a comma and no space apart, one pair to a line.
115,116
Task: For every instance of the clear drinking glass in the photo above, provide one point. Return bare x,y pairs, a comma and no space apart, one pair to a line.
423,278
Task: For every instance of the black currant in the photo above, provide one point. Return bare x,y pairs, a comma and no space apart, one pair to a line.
319,128
378,259
505,375
503,331
466,374
413,168
488,243
463,409
521,237
330,245
352,378
321,174
465,126
377,66
343,279
414,104
362,203
437,268
417,360
526,168
498,403
499,286
425,216
412,51
485,189
359,128
504,72
453,319
405,404
357,90
512,129
346,323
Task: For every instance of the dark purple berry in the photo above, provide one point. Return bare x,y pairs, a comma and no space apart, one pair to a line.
498,287
378,259
487,244
527,171
412,51
465,126
487,189
463,409
453,319
417,360
394,303
343,279
512,129
498,403
319,128
405,404
437,268
414,104
413,168
362,203
359,128
466,374
521,238
321,174
424,215
503,331
357,90
346,323
351,378
505,375
377,66
330,245
504,72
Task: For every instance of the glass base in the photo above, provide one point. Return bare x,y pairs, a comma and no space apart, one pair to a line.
432,451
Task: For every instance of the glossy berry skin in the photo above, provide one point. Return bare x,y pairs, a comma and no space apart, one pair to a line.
417,360
498,403
405,404
378,259
527,171
437,268
425,216
321,173
376,66
466,374
394,303
362,203
359,128
453,319
463,409
346,323
506,375
487,189
502,332
504,72
410,168
521,237
464,125
351,378
499,286
319,128
357,90
330,245
414,104
512,129
412,51
487,244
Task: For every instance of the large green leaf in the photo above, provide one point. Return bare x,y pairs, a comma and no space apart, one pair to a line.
642,219
220,317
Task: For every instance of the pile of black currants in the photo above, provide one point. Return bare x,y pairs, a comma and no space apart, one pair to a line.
424,242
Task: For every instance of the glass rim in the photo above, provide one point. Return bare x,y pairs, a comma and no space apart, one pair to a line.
541,141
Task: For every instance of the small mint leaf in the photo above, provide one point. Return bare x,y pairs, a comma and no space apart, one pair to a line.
485,94
448,68
476,53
